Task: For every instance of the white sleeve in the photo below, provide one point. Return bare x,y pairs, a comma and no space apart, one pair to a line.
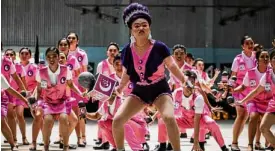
246,80
69,74
37,77
234,67
85,60
4,83
263,80
99,68
23,74
12,69
101,110
199,104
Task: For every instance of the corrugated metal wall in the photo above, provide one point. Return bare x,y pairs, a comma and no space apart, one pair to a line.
51,20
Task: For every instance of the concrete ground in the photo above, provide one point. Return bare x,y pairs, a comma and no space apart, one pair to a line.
226,128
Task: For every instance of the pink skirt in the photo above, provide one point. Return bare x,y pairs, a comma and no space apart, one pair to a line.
70,103
4,104
271,106
256,107
18,102
49,108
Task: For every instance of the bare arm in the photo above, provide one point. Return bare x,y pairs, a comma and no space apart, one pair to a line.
73,87
196,128
84,68
124,80
253,93
93,116
173,68
240,88
19,82
38,91
12,92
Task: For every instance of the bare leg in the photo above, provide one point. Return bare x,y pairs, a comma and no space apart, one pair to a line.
47,130
128,109
73,120
63,122
165,106
239,124
252,128
36,125
267,121
6,131
12,121
21,123
77,128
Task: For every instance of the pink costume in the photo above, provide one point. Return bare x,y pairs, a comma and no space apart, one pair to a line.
134,128
241,65
104,68
259,103
54,96
21,73
81,57
73,65
206,122
173,80
269,84
4,98
7,69
128,89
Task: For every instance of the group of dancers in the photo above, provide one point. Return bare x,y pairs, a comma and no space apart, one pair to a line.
143,91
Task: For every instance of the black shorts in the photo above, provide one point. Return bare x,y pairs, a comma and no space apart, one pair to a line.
149,93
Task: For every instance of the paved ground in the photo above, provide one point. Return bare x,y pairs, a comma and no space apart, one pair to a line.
211,145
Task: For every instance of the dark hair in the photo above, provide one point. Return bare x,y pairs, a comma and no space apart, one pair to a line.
191,74
179,46
64,54
117,57
272,54
74,34
197,60
189,55
13,52
54,49
113,44
258,53
59,41
244,39
258,46
134,11
25,48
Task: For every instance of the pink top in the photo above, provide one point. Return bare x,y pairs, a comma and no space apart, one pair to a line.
54,94
268,81
174,80
81,56
7,68
254,80
31,71
105,68
129,87
21,73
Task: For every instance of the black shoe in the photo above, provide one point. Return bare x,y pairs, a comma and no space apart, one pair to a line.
183,135
202,145
145,147
160,147
147,137
169,147
99,141
113,149
224,148
102,146
269,148
191,140
61,145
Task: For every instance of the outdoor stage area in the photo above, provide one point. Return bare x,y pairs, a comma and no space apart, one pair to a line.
211,145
